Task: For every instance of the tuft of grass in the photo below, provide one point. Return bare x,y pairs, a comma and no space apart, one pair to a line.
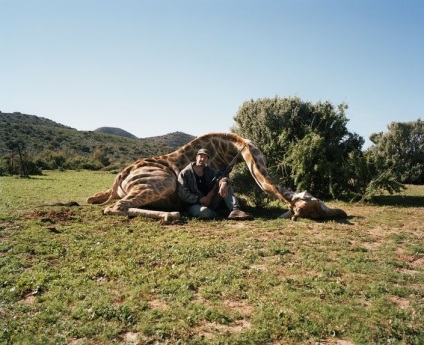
70,275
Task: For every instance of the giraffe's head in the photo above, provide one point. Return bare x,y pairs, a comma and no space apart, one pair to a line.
305,205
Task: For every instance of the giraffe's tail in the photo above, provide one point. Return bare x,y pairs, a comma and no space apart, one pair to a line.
101,197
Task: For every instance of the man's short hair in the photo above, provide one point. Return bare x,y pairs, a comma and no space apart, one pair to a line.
203,152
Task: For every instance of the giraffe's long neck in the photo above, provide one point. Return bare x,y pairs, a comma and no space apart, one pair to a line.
255,161
224,147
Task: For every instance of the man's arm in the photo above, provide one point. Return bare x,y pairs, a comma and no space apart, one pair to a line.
184,192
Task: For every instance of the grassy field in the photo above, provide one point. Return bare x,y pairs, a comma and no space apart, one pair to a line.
69,275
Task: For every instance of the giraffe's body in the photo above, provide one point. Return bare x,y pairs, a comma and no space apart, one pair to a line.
152,182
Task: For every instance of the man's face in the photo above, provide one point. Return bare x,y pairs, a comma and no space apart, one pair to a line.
202,160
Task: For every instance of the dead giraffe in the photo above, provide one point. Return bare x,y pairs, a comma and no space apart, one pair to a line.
152,182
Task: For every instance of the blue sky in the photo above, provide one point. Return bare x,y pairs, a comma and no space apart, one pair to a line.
155,67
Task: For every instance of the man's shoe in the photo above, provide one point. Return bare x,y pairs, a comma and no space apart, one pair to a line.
237,214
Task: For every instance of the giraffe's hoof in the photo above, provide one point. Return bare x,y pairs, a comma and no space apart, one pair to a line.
107,210
171,216
115,210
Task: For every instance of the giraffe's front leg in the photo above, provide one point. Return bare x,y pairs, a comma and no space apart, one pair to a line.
122,210
143,195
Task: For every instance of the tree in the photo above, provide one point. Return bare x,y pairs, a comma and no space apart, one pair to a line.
17,147
17,162
401,150
307,146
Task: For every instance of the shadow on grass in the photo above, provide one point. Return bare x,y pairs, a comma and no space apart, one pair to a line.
340,220
37,177
270,213
398,200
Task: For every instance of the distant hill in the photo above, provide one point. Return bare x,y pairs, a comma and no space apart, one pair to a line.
51,144
115,131
174,140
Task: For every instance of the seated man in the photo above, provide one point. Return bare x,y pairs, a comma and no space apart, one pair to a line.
196,190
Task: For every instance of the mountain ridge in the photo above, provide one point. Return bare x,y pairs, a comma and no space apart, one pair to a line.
51,144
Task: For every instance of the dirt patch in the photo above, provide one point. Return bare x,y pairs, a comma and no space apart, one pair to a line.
402,303
52,217
237,225
157,304
259,267
83,341
417,260
209,330
371,245
240,307
131,338
335,342
410,272
29,299
378,232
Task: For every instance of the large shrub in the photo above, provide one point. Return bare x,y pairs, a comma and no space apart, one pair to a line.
401,150
307,146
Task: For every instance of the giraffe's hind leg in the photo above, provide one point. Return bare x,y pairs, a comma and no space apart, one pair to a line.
100,198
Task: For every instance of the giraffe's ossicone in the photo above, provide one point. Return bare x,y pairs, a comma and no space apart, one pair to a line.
152,183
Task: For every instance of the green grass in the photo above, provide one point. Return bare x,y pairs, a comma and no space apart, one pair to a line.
74,276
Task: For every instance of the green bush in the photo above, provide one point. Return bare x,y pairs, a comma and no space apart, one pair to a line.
307,146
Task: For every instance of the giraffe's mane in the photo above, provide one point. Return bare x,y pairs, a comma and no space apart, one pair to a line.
223,146
214,135
214,141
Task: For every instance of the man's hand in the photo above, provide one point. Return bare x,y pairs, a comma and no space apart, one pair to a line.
223,189
206,200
